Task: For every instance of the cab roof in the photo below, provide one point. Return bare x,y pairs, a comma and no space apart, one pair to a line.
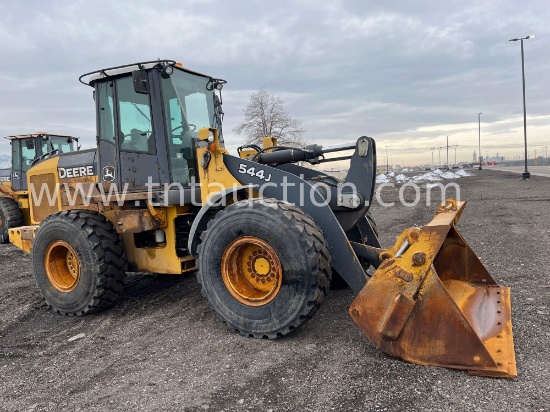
96,75
38,134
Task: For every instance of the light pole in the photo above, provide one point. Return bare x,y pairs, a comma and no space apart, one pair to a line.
454,146
448,153
479,137
432,149
525,175
387,161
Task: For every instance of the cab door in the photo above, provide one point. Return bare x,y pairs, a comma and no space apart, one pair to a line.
108,165
23,155
16,175
137,144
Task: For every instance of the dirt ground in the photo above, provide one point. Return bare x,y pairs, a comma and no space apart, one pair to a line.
161,348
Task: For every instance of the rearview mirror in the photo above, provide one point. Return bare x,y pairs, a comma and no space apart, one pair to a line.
140,82
30,144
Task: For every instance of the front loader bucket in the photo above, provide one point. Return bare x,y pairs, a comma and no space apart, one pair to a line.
432,302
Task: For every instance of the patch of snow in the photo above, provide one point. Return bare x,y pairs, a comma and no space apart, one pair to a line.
382,178
463,173
391,174
430,176
449,175
401,178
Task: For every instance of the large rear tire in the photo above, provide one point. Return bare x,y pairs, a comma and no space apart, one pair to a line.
264,267
10,217
78,262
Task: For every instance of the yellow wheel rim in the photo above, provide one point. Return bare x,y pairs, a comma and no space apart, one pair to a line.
251,271
62,266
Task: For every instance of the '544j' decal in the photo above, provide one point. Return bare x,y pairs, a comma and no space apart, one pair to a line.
260,173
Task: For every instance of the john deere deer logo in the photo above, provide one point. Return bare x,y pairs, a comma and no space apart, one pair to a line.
109,173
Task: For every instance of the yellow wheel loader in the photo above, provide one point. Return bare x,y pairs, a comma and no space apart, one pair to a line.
161,194
26,151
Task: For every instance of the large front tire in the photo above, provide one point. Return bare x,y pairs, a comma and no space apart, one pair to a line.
10,217
264,267
78,262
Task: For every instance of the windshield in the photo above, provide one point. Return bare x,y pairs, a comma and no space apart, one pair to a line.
189,104
188,107
61,143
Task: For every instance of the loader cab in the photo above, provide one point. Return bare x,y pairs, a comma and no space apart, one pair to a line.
148,118
30,149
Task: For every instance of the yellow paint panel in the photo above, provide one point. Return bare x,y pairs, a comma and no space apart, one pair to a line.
156,260
43,178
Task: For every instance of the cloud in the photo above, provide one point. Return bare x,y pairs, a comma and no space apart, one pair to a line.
407,73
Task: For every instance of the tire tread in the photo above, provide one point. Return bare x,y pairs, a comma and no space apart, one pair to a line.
310,235
108,250
12,214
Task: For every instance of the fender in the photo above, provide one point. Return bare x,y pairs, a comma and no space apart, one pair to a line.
202,218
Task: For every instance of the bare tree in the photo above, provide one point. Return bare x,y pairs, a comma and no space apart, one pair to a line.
265,116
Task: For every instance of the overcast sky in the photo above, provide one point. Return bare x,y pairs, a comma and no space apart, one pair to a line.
407,73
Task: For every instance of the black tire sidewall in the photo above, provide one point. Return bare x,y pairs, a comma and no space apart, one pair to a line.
11,217
299,282
3,226
79,298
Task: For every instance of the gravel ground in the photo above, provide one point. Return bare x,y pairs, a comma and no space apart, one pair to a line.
161,348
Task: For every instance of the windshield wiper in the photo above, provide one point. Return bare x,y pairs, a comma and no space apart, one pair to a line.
141,112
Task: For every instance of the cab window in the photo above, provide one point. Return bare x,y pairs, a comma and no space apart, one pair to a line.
134,113
197,110
106,114
28,154
60,143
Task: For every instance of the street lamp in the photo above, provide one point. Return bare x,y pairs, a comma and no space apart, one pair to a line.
525,175
448,153
454,146
479,137
432,149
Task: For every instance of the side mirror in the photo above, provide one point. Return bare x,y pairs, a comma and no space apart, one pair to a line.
30,144
140,82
